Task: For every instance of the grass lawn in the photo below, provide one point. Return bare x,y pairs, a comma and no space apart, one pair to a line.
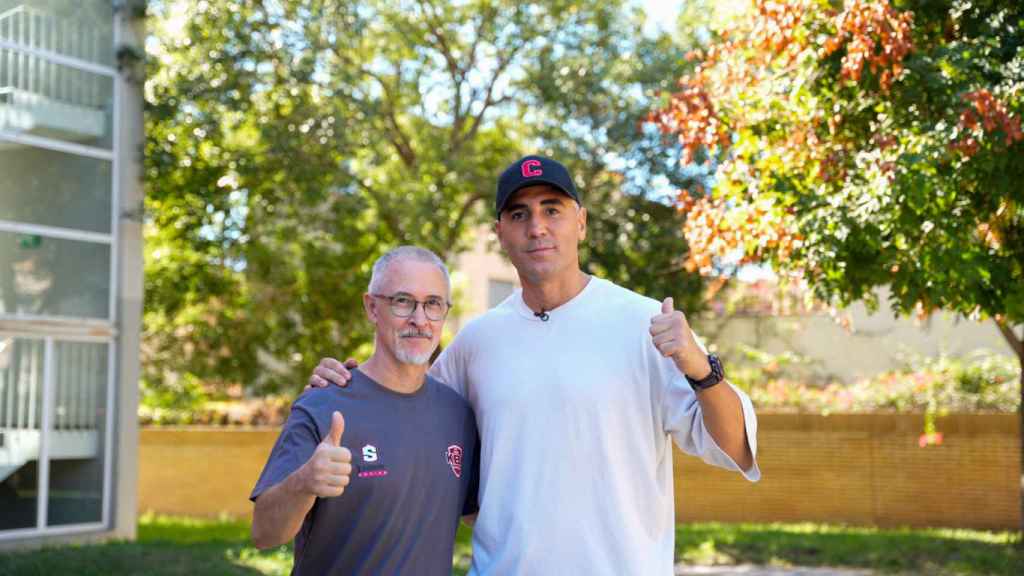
189,547
906,551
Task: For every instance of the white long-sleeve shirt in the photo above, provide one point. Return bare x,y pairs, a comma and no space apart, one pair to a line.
575,415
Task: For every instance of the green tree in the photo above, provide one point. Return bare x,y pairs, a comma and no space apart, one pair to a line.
872,144
290,143
590,111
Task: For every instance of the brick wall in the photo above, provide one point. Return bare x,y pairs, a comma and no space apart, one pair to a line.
854,469
201,471
866,469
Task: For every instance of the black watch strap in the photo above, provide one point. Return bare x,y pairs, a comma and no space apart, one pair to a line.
717,375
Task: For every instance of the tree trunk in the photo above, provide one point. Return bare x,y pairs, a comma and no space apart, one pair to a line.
1017,343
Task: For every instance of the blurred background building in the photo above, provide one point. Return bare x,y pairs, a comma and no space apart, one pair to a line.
70,268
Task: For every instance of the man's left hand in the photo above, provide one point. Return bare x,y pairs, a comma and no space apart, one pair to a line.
673,337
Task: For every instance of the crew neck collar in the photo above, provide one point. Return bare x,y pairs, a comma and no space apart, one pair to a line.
574,302
374,383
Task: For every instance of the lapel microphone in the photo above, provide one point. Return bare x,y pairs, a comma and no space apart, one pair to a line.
542,315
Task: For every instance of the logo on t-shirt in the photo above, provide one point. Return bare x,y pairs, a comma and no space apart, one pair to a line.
454,456
371,468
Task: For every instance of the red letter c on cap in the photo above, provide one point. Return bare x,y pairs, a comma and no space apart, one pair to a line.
531,168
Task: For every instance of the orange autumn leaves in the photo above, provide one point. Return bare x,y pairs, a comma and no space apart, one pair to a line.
741,234
984,113
873,33
691,113
749,103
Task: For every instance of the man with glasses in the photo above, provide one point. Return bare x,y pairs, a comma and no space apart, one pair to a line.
374,479
578,384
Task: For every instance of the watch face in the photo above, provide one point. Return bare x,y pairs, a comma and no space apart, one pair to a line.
716,376
716,367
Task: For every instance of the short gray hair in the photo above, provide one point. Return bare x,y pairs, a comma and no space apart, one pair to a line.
400,254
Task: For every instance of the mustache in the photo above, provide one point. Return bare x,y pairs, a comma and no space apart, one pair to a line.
414,333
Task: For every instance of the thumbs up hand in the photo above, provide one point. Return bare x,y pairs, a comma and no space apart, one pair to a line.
326,473
673,337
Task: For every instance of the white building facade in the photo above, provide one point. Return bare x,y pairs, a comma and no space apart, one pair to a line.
70,268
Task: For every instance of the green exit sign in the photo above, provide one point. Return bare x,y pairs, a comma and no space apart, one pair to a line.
30,241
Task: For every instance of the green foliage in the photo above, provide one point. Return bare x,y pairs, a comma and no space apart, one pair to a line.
183,410
862,144
981,382
289,144
184,394
893,201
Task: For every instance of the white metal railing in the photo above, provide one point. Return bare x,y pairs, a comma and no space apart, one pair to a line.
23,74
21,378
77,379
77,386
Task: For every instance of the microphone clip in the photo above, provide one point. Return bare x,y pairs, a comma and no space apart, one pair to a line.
542,315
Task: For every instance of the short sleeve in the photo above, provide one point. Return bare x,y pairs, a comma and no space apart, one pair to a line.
295,445
684,420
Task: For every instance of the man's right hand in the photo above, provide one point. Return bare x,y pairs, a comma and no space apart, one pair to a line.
326,473
330,371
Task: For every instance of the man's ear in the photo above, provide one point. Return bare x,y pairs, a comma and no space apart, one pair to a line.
497,231
581,218
370,305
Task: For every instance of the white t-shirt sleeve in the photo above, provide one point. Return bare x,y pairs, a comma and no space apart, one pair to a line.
683,419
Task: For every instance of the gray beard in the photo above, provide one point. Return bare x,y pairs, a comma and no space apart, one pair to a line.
406,357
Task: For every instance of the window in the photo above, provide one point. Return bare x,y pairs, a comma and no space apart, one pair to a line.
58,246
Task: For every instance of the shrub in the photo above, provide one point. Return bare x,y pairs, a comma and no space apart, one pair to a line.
981,382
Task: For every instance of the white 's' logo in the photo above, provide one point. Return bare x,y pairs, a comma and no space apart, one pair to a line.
369,453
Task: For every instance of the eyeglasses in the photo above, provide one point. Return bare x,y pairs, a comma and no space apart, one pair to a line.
404,306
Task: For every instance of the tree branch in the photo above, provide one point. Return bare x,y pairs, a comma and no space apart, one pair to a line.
385,212
467,205
435,32
489,101
400,140
1011,337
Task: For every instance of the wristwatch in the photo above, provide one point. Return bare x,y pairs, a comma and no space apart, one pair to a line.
717,375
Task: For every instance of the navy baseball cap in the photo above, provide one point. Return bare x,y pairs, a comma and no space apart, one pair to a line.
530,171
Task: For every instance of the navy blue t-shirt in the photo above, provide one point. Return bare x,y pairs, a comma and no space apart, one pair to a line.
415,468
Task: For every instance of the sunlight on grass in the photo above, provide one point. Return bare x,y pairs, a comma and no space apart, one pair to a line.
175,546
184,530
707,554
903,550
277,561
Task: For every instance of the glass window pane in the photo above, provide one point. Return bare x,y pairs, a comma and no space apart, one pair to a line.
21,387
53,277
54,189
76,439
81,29
43,98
